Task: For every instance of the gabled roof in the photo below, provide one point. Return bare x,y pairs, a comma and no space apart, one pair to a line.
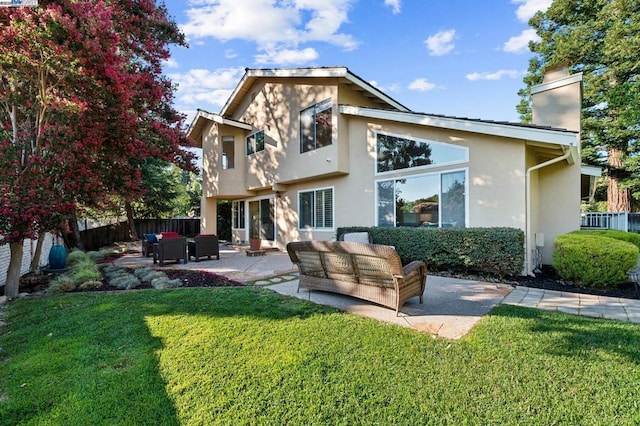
201,119
342,73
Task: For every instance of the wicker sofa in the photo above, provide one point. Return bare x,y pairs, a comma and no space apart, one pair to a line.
367,271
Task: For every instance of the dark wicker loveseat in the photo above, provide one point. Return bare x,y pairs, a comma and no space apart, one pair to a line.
367,271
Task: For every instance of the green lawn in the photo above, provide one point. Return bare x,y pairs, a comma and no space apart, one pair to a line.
248,356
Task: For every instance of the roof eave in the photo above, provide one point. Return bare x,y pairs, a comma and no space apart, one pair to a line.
553,136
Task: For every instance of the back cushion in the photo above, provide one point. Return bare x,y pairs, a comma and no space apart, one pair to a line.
356,237
310,264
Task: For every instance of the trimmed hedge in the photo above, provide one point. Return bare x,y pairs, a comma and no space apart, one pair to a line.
593,259
495,250
629,237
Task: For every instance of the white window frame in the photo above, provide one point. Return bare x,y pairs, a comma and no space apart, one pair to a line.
235,214
439,173
333,209
255,151
418,168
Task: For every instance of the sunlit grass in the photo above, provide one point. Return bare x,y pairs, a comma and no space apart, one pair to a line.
249,356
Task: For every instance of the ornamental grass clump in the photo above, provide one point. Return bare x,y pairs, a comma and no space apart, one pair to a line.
151,275
125,281
90,285
61,284
165,282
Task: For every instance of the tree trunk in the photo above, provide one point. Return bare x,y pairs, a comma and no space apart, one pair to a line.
133,235
35,262
12,286
618,199
76,231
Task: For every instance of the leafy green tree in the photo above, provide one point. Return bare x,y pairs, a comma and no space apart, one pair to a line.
600,38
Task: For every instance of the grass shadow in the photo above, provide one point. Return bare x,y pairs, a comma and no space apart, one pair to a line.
93,358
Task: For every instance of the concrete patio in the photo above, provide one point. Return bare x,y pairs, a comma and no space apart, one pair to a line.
451,306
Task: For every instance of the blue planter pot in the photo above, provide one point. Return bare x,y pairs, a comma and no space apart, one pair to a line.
57,257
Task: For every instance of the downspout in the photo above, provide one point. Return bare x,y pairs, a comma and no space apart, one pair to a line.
528,231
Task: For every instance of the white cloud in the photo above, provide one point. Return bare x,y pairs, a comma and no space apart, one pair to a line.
287,56
198,86
395,5
421,85
520,43
230,54
171,63
272,25
441,43
393,87
528,8
497,75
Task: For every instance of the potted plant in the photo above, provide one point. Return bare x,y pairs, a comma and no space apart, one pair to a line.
254,236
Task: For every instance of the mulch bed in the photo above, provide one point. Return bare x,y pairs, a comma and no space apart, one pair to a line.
547,279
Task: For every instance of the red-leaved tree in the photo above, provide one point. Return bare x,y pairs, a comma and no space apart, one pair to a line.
82,102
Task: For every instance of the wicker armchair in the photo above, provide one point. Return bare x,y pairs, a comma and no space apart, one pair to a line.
170,249
367,271
204,245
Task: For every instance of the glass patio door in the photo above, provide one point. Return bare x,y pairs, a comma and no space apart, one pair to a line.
262,219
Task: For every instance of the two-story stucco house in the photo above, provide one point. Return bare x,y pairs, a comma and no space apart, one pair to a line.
304,151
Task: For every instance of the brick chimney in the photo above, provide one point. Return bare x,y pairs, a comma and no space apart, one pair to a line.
557,102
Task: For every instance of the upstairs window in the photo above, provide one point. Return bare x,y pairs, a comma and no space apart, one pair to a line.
315,126
398,152
255,142
228,152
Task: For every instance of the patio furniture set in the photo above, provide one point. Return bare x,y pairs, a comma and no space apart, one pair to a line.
173,246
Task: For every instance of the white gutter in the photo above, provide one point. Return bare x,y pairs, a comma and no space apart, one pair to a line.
528,231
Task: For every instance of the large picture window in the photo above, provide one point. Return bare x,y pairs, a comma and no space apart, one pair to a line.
397,153
255,142
237,208
435,200
316,209
316,126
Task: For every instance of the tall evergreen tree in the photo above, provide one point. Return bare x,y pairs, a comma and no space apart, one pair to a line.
600,38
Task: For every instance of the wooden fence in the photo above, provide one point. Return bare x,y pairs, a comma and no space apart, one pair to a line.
93,239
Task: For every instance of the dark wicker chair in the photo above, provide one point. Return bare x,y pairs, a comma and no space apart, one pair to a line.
170,249
204,245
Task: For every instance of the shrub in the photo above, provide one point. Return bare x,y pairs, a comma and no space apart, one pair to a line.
496,250
629,237
61,284
593,260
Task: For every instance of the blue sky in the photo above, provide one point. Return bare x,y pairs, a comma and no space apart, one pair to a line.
464,58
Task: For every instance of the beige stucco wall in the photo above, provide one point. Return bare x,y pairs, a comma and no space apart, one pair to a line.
496,169
557,209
